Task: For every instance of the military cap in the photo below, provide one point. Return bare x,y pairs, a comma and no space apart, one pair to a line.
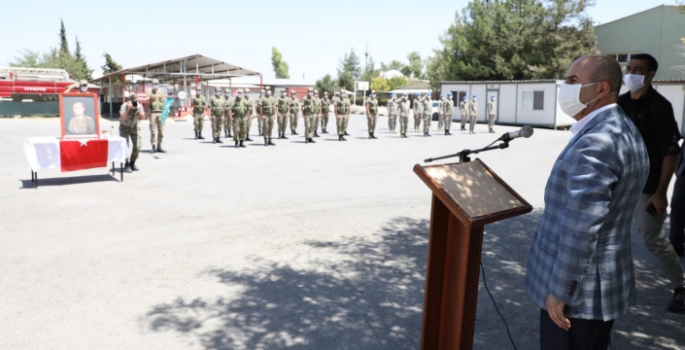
442,95
83,82
325,92
474,96
133,96
267,88
311,89
227,90
155,81
293,91
405,94
246,90
262,90
373,91
449,93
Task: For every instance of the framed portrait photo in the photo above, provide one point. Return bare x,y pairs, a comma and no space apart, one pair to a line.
79,115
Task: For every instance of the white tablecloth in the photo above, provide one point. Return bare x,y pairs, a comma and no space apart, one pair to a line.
43,152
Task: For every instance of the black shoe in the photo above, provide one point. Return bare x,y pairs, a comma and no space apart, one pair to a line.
214,140
159,149
373,136
197,135
229,135
324,131
200,136
343,138
236,144
266,141
463,129
127,168
293,132
316,135
346,134
218,140
134,167
369,136
448,132
241,144
283,137
339,137
312,140
153,150
271,143
247,138
677,304
306,140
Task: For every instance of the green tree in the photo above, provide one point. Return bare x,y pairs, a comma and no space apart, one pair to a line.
110,65
349,70
396,82
64,53
280,67
325,84
370,72
415,67
379,84
34,59
394,64
81,70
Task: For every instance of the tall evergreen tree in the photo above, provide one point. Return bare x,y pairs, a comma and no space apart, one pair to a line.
370,72
280,67
81,70
64,53
110,65
349,70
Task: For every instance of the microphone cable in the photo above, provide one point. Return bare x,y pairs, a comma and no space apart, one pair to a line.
485,283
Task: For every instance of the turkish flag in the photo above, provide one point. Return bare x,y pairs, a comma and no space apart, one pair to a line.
83,154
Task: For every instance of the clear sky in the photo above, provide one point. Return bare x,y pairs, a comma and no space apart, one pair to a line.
311,35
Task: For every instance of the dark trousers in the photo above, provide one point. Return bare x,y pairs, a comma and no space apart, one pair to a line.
583,335
677,235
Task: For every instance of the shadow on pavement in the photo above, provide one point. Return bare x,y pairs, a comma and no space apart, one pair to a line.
367,293
72,180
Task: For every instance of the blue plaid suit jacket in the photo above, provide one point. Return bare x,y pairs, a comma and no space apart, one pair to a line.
581,251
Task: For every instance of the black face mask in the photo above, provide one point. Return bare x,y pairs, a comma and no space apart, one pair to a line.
134,103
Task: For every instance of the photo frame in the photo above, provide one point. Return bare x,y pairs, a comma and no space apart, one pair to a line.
79,115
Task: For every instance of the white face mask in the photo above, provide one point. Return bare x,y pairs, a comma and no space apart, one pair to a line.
569,98
84,88
155,86
240,95
634,82
311,94
344,95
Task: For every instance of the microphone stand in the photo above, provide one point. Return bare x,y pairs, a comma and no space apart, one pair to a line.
464,155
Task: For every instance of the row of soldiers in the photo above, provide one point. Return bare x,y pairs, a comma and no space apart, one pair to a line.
235,114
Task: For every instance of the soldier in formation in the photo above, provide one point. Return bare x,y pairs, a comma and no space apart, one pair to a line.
418,112
427,107
216,110
448,107
238,115
492,113
260,121
342,115
403,107
473,114
325,109
464,110
318,114
199,105
248,120
157,100
392,113
229,100
294,113
441,113
372,113
267,111
310,109
283,110
129,128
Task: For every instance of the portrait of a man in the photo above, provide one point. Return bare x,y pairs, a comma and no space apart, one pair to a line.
78,114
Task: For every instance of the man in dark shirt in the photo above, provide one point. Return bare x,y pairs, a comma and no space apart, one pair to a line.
678,207
653,116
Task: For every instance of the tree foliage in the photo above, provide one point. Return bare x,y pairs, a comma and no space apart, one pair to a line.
280,67
110,65
397,82
370,71
349,70
80,69
514,39
379,84
325,84
393,65
34,59
415,67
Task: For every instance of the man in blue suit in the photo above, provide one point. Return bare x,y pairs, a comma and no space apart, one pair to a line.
580,268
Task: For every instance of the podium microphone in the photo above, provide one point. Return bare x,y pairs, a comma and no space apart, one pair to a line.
526,131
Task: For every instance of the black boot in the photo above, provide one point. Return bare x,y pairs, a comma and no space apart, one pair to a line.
236,144
346,134
134,167
127,168
266,142
306,140
218,140
316,135
370,136
247,138
241,144
197,135
373,136
324,131
448,132
342,137
312,140
283,136
271,142
292,132
159,149
214,140
152,151
339,137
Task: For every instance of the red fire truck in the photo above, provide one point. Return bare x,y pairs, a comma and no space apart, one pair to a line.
37,84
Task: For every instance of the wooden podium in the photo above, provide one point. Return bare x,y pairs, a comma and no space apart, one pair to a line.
466,197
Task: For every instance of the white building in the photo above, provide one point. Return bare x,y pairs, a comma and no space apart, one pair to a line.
534,102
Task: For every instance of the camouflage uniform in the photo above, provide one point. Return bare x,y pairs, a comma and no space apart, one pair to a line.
267,109
309,111
294,113
492,112
441,115
325,109
464,110
473,114
239,114
283,115
418,112
342,115
403,107
427,107
129,128
216,105
229,100
392,114
260,121
372,115
448,108
156,99
199,105
248,118
317,118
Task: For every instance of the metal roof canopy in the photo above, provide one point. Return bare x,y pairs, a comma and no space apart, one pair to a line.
174,71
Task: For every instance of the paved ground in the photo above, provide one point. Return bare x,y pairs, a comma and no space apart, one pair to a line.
296,246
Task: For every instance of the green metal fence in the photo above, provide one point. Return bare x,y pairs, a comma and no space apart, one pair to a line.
9,109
